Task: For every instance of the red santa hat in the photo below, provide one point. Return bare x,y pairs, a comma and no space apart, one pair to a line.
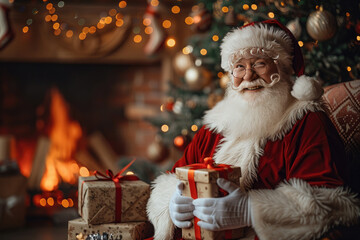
274,40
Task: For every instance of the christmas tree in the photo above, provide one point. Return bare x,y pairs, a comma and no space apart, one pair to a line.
328,32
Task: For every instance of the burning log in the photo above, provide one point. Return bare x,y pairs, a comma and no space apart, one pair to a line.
38,167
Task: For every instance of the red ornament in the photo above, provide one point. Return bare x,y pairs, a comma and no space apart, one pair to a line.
181,142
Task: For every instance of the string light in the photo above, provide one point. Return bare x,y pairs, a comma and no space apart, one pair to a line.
82,36
215,38
254,7
47,18
166,24
187,50
175,9
271,15
154,3
300,43
189,20
92,29
112,12
148,30
42,202
137,38
147,21
56,25
165,128
50,201
122,4
194,128
54,17
119,22
170,42
225,9
358,38
179,141
57,32
65,203
203,51
69,33
220,74
348,68
246,7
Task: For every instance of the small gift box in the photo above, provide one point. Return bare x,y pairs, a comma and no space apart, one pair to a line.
79,229
12,200
200,182
108,199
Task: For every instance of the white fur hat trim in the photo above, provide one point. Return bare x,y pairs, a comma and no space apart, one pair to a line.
307,88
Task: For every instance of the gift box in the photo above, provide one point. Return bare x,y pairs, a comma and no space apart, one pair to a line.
12,200
79,229
107,201
200,182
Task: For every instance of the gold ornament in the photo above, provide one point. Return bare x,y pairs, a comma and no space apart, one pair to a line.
182,62
224,81
157,151
321,25
197,78
295,27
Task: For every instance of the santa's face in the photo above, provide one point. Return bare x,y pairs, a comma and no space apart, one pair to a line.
251,76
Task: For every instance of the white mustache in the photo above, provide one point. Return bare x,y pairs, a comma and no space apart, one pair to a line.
259,82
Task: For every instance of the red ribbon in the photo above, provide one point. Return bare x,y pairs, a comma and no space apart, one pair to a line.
209,163
117,178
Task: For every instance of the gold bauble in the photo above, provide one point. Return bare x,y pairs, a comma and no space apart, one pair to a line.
224,81
197,78
182,62
321,25
295,27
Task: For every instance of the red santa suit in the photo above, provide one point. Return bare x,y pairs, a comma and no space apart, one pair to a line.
294,178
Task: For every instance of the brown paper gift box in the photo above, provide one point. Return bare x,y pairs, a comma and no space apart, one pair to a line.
207,187
12,199
97,200
131,230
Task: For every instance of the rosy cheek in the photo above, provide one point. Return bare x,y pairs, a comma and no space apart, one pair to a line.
237,82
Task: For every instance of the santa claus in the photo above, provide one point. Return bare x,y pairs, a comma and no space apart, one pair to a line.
274,127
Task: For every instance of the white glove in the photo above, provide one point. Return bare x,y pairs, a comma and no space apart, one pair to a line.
229,212
181,208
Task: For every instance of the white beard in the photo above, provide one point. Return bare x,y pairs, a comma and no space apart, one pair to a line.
247,120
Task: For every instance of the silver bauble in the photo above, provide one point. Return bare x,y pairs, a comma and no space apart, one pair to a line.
182,62
321,25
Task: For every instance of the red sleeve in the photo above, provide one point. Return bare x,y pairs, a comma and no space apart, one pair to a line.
203,145
315,152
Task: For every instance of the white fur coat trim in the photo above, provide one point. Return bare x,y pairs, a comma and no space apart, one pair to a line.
298,211
157,208
245,153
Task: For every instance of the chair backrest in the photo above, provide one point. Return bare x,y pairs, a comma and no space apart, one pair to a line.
343,101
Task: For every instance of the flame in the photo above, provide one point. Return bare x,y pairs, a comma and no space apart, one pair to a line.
64,136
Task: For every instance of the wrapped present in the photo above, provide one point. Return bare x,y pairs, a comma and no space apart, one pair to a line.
12,200
109,199
79,229
200,182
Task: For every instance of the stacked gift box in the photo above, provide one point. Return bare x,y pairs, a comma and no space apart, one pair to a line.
111,207
200,182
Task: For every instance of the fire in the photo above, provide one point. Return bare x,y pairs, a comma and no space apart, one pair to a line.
64,136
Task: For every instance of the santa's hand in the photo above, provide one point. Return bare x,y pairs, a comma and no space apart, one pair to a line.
181,208
229,212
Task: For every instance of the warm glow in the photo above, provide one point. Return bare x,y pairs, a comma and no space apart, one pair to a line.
271,15
154,3
92,29
108,20
165,128
57,32
171,42
56,25
65,203
347,14
48,18
102,20
215,38
119,16
179,141
54,18
84,172
52,11
42,202
82,36
100,25
71,202
189,20
137,38
112,12
64,135
358,38
254,7
69,33
130,173
147,21
194,128
175,9
25,29
246,7
166,24
348,68
197,19
119,22
187,50
162,108
203,51
225,9
148,30
220,74
85,30
36,199
50,201
122,4
300,43
49,6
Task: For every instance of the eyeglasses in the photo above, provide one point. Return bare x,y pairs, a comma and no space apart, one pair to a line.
259,68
